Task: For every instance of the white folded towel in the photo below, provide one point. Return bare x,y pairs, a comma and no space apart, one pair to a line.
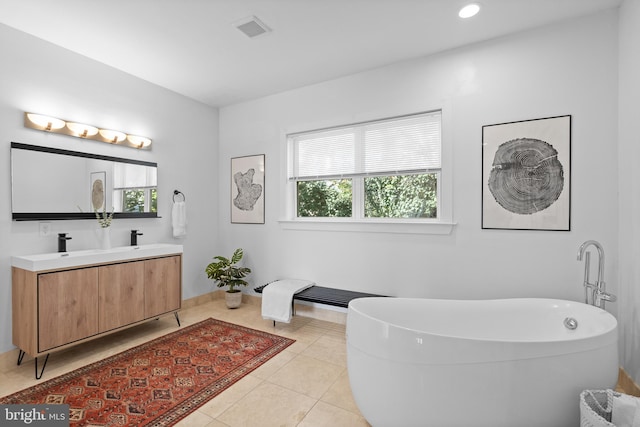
277,297
179,219
625,411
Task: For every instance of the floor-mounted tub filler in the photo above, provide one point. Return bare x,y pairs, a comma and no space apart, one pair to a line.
462,363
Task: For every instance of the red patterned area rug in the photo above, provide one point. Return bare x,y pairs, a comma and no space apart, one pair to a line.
160,382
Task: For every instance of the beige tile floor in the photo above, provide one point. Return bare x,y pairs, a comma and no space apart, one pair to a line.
305,385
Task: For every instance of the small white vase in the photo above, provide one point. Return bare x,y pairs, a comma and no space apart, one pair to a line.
104,236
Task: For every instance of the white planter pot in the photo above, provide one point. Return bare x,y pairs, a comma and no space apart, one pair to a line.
233,299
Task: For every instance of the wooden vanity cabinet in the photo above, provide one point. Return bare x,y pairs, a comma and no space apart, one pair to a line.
55,309
67,307
120,295
160,293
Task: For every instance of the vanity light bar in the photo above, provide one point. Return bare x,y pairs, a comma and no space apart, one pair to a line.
80,130
113,136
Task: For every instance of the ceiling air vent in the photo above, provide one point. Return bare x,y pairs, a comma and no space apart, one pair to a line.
252,27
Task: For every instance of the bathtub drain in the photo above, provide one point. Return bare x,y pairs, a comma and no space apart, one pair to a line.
570,323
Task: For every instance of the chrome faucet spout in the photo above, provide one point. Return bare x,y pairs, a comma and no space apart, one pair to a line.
598,246
597,290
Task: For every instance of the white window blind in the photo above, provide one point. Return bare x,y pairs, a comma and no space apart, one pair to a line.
407,144
127,176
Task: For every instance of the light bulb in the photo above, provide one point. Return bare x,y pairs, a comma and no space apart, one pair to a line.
81,130
46,122
113,136
139,141
469,10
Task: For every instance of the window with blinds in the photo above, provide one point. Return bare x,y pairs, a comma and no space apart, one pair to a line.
381,169
135,188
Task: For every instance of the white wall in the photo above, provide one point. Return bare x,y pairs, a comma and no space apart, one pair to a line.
39,77
629,177
568,68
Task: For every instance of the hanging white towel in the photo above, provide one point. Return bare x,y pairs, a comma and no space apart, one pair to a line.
625,411
277,297
179,219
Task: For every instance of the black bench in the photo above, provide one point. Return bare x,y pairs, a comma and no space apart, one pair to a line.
322,295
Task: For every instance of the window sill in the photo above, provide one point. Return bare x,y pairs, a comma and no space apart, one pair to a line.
408,227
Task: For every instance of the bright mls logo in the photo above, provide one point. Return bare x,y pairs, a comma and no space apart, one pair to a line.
34,415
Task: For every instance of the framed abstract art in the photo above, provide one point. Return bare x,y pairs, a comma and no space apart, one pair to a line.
247,189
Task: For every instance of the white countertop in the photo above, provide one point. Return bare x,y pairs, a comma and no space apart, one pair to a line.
56,260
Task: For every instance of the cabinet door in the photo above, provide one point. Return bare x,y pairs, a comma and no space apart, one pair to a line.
121,295
67,307
162,285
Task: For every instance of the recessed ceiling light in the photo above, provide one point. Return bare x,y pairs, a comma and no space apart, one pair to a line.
469,10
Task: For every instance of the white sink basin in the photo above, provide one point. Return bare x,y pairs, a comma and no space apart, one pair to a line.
57,260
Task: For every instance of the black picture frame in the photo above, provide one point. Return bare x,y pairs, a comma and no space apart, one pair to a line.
526,175
247,189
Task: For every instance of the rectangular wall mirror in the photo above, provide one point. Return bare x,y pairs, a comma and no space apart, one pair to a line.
51,183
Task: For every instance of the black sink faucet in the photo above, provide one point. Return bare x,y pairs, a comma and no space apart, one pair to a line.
134,237
62,242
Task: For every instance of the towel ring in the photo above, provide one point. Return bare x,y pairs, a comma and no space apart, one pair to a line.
176,193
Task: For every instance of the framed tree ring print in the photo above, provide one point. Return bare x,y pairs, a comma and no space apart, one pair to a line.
526,175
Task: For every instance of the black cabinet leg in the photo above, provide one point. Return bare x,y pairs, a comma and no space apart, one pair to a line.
38,376
20,357
175,313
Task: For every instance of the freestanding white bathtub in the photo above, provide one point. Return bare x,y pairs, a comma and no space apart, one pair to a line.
510,362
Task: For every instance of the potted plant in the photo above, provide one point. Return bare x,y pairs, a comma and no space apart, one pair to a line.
227,273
